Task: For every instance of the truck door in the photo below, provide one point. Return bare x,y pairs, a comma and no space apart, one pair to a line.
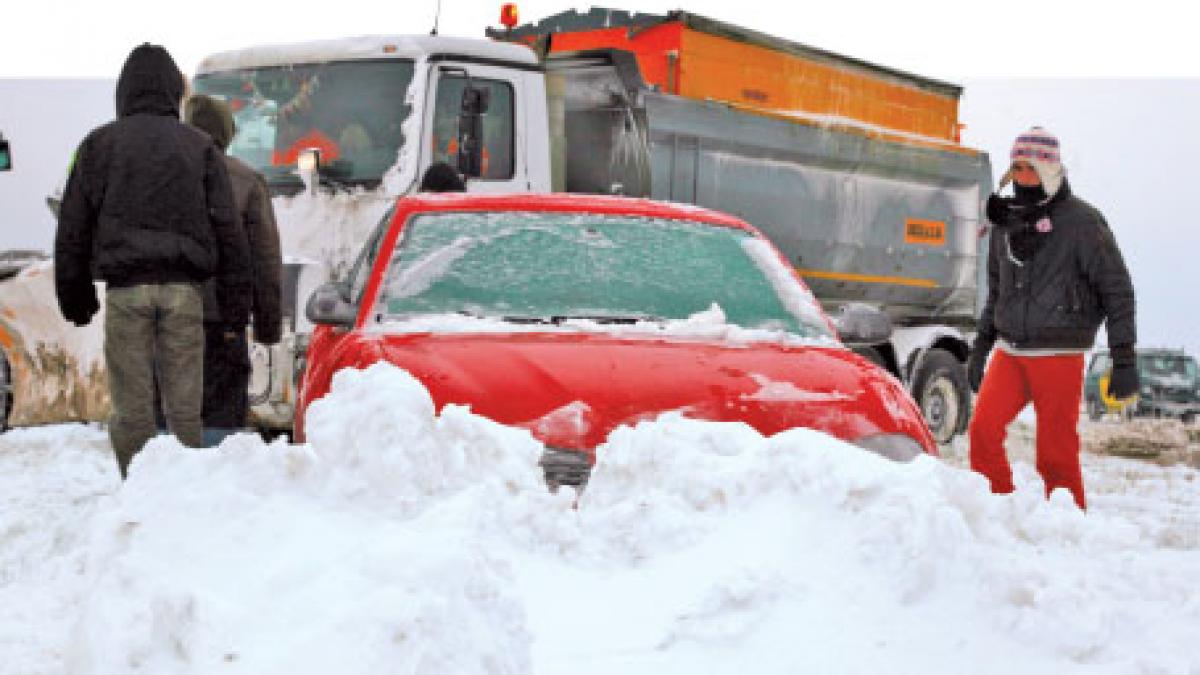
503,162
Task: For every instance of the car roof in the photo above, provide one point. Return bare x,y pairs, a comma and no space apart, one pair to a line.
571,203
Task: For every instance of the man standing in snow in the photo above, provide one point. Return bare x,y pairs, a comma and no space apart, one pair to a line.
1054,275
148,208
226,352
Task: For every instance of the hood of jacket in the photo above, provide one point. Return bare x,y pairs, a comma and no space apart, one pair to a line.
211,116
150,82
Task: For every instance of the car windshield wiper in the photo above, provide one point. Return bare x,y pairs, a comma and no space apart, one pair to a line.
559,319
551,320
627,319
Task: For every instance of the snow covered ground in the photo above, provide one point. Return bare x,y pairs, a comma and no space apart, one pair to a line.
398,541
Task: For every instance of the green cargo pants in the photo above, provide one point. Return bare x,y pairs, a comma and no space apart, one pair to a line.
149,328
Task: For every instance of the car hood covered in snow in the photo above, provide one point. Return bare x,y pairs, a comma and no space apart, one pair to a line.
571,390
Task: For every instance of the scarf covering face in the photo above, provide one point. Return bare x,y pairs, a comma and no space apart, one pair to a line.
1030,222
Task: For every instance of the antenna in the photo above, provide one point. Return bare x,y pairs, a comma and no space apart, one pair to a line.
436,18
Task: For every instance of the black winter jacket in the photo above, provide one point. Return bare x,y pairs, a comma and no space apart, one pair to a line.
148,200
1074,279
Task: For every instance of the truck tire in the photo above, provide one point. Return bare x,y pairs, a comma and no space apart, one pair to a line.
940,388
6,391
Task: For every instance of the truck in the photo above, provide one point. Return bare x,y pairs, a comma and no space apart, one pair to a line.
855,171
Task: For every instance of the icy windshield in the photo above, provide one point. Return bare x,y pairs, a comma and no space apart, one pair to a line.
551,268
352,111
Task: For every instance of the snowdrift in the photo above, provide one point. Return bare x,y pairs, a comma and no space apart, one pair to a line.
403,540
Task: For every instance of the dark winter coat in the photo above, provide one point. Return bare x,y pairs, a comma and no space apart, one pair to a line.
148,200
1071,280
252,201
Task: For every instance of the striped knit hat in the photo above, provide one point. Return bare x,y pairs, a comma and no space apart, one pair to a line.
1040,148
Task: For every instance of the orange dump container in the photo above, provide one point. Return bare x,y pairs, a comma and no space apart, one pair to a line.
692,56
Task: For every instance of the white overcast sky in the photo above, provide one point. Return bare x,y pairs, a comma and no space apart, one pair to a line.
948,39
1121,88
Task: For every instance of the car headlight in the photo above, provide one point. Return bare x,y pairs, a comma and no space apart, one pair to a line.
896,447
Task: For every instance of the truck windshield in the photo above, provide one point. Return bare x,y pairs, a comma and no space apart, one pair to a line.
352,111
550,267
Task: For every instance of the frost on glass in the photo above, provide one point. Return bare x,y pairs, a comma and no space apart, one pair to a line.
539,267
352,111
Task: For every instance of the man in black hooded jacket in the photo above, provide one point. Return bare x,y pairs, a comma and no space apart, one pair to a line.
1054,275
148,208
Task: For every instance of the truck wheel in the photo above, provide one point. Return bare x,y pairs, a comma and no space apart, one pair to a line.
940,387
6,391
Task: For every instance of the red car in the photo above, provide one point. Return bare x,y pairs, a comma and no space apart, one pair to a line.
571,315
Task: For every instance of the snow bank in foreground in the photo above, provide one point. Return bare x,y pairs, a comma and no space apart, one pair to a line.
403,541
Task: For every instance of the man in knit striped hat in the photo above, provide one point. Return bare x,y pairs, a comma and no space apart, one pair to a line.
1054,275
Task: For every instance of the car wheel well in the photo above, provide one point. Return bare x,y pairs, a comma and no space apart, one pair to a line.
882,355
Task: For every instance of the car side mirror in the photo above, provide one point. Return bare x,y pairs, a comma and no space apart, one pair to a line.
330,304
860,325
5,155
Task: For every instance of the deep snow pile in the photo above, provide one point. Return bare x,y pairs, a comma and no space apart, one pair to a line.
402,541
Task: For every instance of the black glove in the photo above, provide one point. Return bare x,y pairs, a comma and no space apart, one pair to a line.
79,303
1124,381
977,361
999,209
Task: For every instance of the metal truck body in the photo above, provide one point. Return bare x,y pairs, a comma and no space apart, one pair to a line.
867,213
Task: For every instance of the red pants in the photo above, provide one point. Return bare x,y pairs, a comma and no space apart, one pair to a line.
1055,385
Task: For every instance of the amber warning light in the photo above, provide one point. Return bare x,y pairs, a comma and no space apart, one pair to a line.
508,15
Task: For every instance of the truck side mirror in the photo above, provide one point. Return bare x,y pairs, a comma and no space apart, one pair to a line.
475,102
330,304
860,325
5,155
